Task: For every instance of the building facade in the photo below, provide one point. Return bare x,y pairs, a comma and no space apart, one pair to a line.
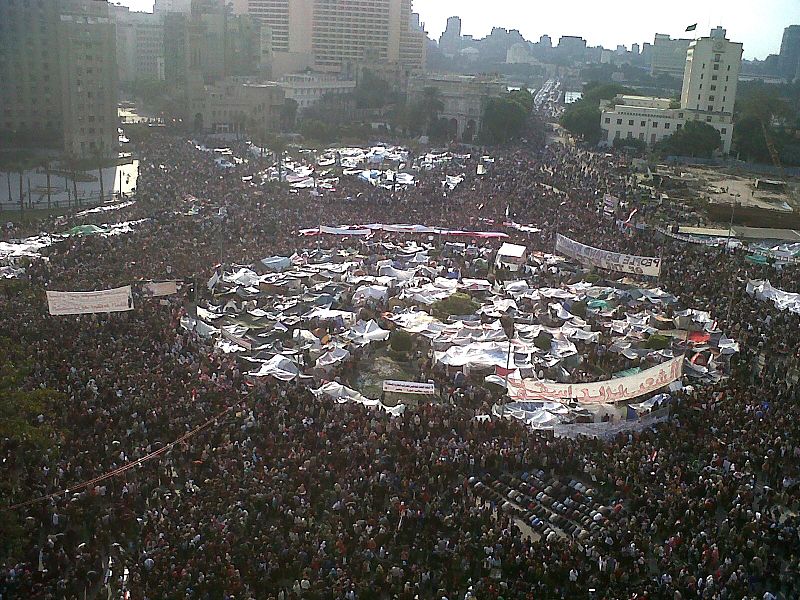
789,57
330,34
464,98
710,79
59,76
668,56
140,44
234,105
307,89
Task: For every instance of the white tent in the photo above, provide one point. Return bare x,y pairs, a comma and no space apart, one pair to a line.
276,264
370,292
365,332
344,394
332,357
278,367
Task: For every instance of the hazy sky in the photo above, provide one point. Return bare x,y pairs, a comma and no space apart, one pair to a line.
758,24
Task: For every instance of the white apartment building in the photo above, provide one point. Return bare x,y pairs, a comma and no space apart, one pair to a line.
309,88
709,91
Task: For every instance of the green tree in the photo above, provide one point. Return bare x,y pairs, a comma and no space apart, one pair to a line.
696,138
582,118
503,118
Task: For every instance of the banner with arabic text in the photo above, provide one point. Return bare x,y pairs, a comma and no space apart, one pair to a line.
81,303
601,392
603,259
409,387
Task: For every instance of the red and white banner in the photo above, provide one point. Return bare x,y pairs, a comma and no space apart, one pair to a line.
601,392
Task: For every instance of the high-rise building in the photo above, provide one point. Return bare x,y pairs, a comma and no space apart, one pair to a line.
669,56
172,6
330,34
789,58
59,74
546,41
140,44
450,40
88,78
572,47
711,74
710,78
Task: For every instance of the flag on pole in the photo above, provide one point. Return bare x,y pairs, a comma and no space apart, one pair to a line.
691,27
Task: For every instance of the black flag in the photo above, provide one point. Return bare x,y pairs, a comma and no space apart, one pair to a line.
691,27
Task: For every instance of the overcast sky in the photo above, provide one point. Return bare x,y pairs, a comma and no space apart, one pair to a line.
758,24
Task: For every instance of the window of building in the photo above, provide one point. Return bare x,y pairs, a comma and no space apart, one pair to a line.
655,124
711,98
717,58
630,122
679,126
713,78
729,67
630,135
619,121
724,130
666,125
617,135
710,108
708,119
701,86
680,115
716,67
643,123
713,88
641,135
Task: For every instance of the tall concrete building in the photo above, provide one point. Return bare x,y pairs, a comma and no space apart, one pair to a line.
789,57
711,73
668,56
140,44
450,40
172,6
59,76
330,34
88,78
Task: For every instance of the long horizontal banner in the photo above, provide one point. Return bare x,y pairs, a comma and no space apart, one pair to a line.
82,303
603,259
409,387
366,230
601,392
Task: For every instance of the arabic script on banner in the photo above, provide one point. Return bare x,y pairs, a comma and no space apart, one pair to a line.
81,303
603,259
601,392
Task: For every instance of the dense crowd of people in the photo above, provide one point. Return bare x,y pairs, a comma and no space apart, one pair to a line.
274,493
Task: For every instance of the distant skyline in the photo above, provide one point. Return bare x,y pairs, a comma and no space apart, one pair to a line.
758,25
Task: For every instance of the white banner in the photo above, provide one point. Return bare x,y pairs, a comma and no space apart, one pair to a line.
613,261
409,387
81,303
156,289
601,392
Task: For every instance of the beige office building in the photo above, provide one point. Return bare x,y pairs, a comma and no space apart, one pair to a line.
328,35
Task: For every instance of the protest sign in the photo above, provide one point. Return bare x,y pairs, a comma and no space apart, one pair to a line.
603,259
616,390
409,387
80,303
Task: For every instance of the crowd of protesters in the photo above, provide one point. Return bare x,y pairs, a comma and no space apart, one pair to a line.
278,494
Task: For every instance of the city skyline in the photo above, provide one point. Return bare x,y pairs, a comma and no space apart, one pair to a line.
759,28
